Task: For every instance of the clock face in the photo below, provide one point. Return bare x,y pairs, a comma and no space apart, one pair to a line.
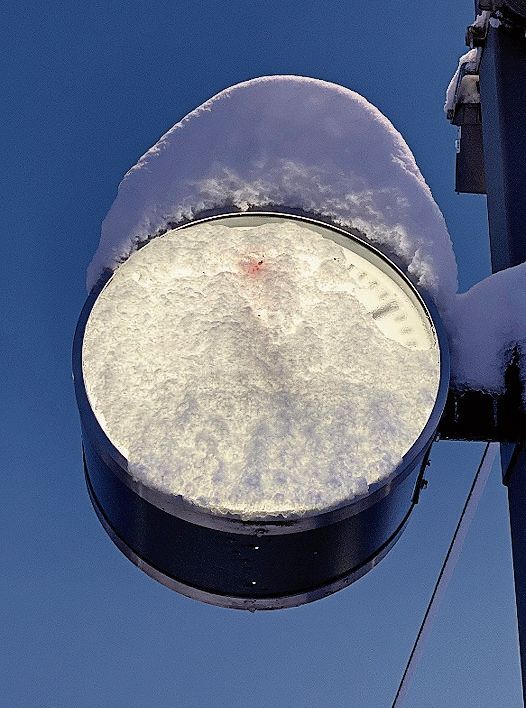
260,366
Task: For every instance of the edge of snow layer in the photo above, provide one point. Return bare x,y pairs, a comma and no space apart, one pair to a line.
289,141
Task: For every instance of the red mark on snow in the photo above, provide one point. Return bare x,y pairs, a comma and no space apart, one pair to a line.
252,266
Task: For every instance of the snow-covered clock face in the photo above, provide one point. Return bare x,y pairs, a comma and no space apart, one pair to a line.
260,366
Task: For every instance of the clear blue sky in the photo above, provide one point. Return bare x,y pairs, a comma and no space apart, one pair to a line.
86,89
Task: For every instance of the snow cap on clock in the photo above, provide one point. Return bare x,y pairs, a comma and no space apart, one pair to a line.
295,142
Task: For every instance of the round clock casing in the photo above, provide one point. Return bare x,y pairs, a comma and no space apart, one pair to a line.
259,563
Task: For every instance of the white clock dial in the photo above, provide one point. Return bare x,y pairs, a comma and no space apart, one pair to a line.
260,366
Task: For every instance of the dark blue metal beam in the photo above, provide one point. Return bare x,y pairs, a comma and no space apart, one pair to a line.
503,101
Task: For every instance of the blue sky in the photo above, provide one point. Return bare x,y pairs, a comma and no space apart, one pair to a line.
85,91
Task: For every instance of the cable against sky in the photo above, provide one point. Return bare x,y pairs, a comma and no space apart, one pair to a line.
448,566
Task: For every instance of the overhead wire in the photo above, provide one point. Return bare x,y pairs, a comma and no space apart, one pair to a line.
448,564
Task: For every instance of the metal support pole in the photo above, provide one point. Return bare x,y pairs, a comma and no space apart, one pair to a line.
503,101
